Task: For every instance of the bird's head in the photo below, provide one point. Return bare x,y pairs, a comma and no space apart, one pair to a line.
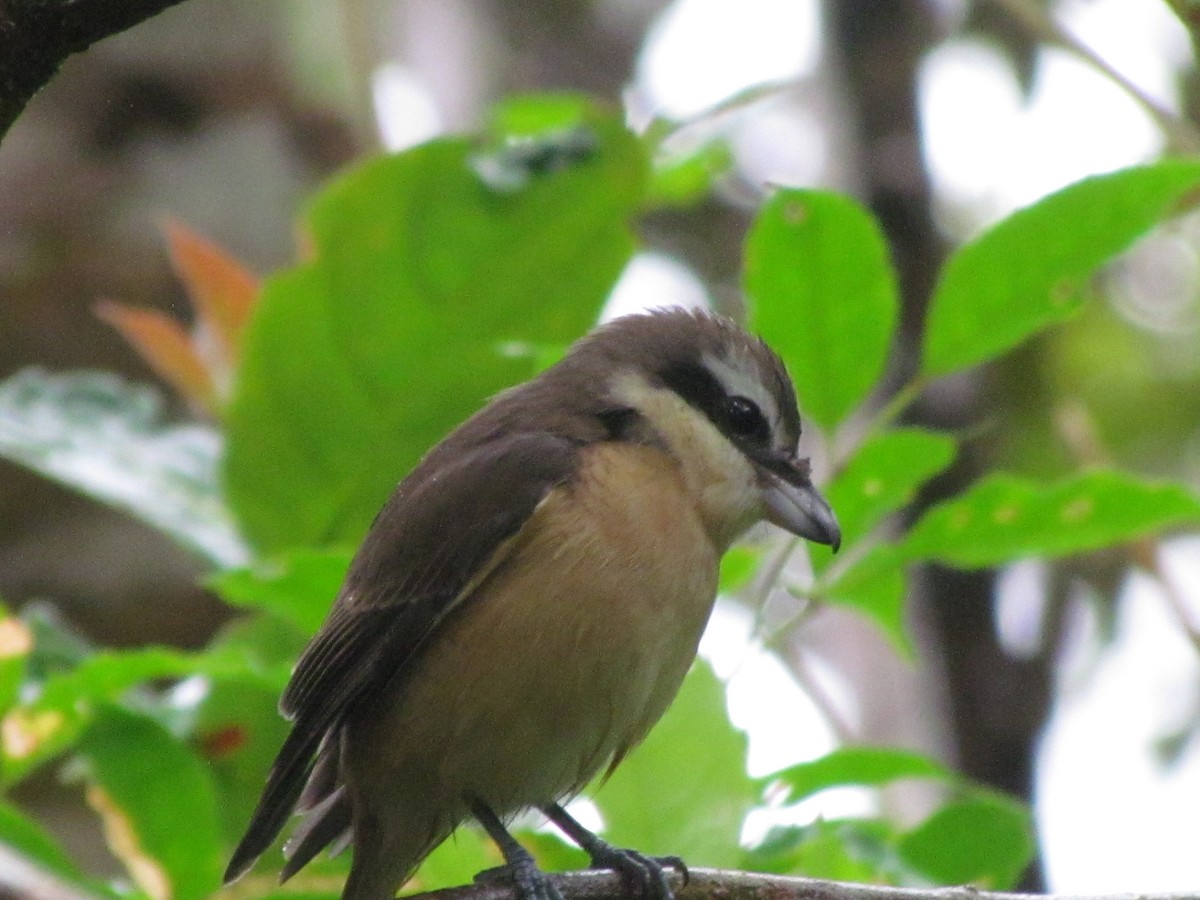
721,402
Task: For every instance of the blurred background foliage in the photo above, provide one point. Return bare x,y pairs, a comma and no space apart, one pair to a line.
1001,404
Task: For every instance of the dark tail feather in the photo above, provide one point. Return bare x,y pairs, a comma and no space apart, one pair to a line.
325,775
284,785
327,822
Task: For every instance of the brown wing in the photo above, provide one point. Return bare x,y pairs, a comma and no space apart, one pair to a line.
442,527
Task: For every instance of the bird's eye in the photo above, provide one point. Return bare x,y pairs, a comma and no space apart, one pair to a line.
745,419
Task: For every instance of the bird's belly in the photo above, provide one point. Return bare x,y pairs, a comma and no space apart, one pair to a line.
521,701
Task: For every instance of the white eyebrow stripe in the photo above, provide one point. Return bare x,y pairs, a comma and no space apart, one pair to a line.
738,381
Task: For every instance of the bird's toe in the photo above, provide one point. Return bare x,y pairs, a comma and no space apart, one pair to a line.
646,876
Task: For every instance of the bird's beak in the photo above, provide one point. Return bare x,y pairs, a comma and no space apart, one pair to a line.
795,505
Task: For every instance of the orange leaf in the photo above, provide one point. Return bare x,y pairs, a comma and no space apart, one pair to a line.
162,342
221,289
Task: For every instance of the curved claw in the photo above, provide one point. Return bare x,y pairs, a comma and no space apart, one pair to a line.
676,863
530,881
646,875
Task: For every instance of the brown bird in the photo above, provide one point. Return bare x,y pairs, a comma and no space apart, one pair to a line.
529,599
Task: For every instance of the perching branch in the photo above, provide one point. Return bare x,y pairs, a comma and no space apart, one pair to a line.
720,884
36,37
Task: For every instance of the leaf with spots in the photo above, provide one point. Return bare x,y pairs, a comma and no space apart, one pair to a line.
156,800
1003,518
884,475
1031,270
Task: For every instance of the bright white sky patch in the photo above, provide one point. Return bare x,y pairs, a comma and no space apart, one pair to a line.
990,150
404,108
701,52
1111,814
653,281
1143,41
784,725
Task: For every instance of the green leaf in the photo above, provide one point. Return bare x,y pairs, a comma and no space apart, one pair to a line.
235,723
1031,270
875,586
57,645
237,730
884,475
737,567
69,701
823,294
1002,518
985,841
28,838
652,802
863,766
837,850
299,586
553,852
539,115
456,861
685,179
157,805
16,644
106,438
427,293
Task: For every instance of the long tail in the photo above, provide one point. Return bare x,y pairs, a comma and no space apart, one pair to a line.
328,824
284,786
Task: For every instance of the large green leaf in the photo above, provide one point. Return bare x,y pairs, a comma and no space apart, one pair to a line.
107,438
437,278
652,802
1031,269
823,294
1002,518
157,804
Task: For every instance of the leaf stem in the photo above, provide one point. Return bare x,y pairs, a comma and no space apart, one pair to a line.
1180,133
899,402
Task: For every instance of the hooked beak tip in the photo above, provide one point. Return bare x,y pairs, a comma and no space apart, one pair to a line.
798,507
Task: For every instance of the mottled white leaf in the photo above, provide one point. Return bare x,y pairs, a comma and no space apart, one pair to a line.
107,438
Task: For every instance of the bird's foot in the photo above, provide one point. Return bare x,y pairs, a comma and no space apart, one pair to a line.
645,875
520,868
522,872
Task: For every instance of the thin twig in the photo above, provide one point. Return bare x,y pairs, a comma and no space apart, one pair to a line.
767,578
1145,554
1180,133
